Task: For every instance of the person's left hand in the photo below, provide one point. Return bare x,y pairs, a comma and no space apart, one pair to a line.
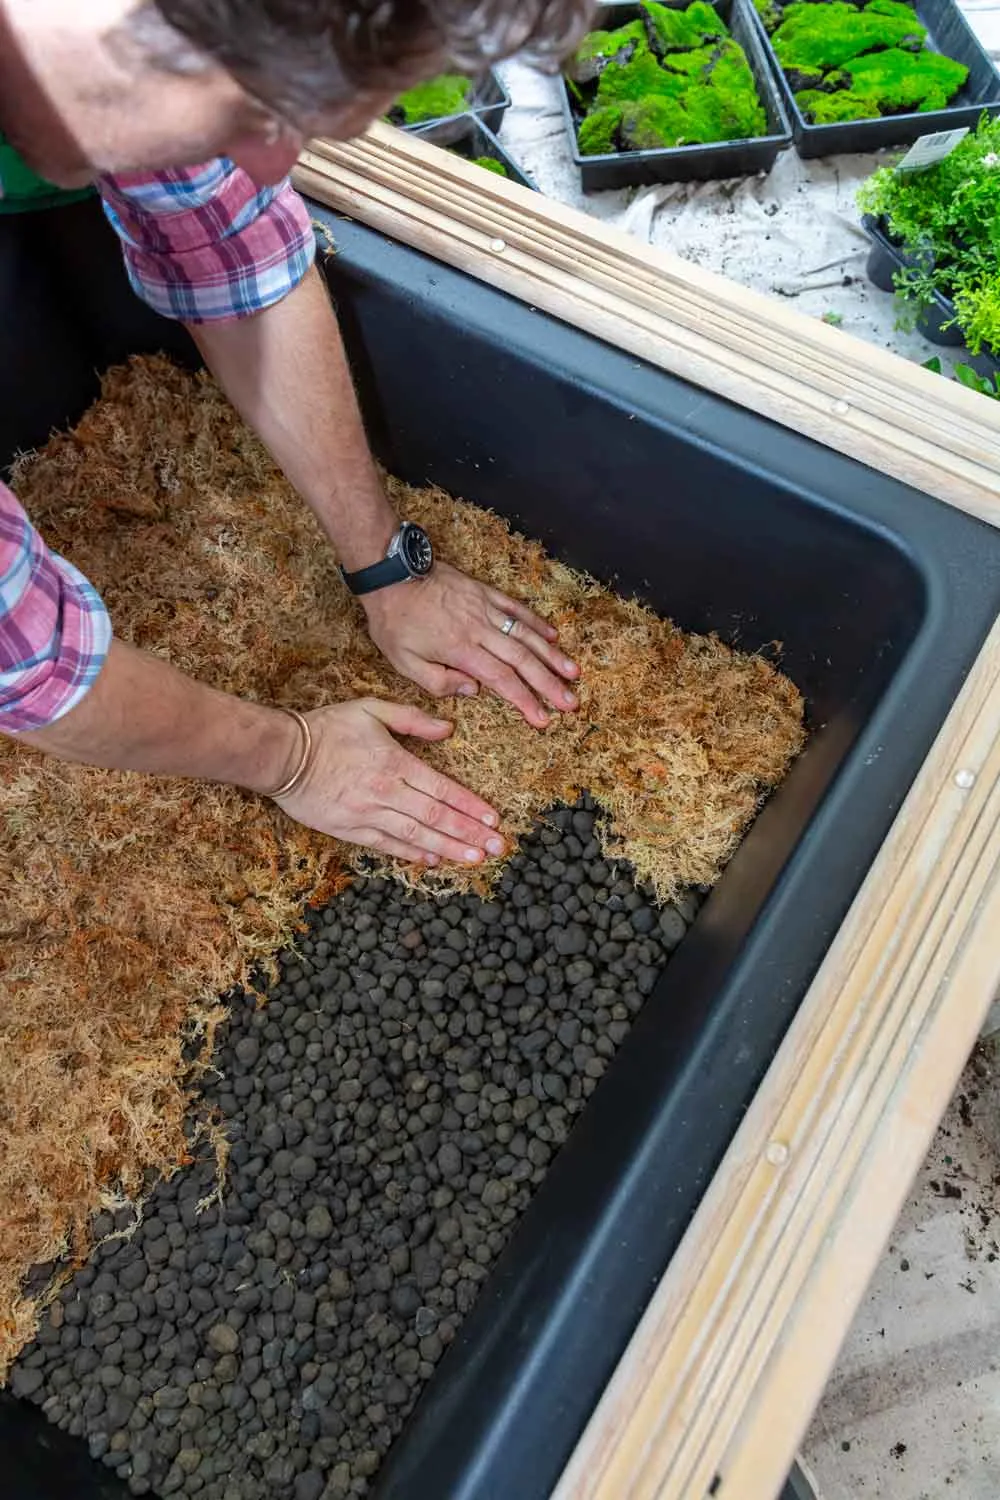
445,633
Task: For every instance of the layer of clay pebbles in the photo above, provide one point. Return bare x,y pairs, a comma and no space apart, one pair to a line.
392,1107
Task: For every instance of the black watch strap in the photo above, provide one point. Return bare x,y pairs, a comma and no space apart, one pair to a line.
378,576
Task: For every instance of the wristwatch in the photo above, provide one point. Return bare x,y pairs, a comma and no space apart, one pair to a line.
409,555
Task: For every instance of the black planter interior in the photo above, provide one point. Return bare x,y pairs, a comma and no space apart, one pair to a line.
881,597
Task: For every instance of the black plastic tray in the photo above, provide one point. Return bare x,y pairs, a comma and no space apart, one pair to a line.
467,136
885,259
722,520
490,100
948,32
691,163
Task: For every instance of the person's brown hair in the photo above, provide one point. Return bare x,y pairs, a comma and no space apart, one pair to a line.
304,55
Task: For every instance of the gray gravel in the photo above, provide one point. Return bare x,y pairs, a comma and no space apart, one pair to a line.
392,1108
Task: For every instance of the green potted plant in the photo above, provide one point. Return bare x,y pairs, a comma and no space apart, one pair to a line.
936,242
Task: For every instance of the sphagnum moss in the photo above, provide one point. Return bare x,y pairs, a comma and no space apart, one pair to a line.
170,891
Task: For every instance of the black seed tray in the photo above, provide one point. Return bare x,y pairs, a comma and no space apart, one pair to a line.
467,136
691,163
490,101
884,261
948,32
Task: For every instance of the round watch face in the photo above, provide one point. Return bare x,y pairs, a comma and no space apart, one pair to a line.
418,554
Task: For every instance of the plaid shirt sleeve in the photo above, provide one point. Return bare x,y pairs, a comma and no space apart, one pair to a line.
205,243
54,630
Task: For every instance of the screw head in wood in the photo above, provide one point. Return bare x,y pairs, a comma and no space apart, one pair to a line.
965,779
498,245
777,1153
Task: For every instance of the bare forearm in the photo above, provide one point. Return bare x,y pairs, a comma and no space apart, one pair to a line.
144,715
285,371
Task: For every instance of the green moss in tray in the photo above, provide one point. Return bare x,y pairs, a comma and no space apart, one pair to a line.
680,30
448,94
642,78
829,35
891,82
598,132
675,78
490,164
858,62
601,47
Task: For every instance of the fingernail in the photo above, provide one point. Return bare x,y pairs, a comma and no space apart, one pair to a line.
494,846
431,859
568,666
490,819
467,690
569,699
473,856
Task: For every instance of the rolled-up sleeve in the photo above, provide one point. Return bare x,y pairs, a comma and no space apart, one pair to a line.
206,243
54,630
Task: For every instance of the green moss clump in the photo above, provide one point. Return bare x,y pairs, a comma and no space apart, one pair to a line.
685,82
732,94
599,48
598,133
642,78
849,62
490,164
891,82
680,30
655,123
829,35
448,94
901,81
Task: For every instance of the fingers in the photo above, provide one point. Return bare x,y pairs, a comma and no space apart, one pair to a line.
434,837
403,718
520,675
383,843
450,794
520,611
515,643
442,682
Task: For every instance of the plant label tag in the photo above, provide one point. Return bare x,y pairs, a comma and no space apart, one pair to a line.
930,149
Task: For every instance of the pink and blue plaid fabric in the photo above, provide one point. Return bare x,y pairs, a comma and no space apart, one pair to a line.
200,245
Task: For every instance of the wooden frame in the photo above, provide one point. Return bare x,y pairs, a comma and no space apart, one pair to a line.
721,1377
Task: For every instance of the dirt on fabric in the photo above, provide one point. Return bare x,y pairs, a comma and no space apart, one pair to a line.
130,904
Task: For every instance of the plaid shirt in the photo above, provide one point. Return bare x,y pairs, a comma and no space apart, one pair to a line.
201,245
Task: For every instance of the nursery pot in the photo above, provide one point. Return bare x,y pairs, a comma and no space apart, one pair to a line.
727,523
467,136
936,322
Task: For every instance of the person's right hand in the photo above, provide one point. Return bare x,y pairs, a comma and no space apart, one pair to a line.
364,788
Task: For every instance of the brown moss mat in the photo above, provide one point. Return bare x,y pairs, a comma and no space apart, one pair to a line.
130,903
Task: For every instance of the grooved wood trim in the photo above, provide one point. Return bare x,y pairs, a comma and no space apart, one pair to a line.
732,1354
721,1376
851,396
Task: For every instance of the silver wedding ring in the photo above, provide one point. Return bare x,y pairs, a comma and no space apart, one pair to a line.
508,625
